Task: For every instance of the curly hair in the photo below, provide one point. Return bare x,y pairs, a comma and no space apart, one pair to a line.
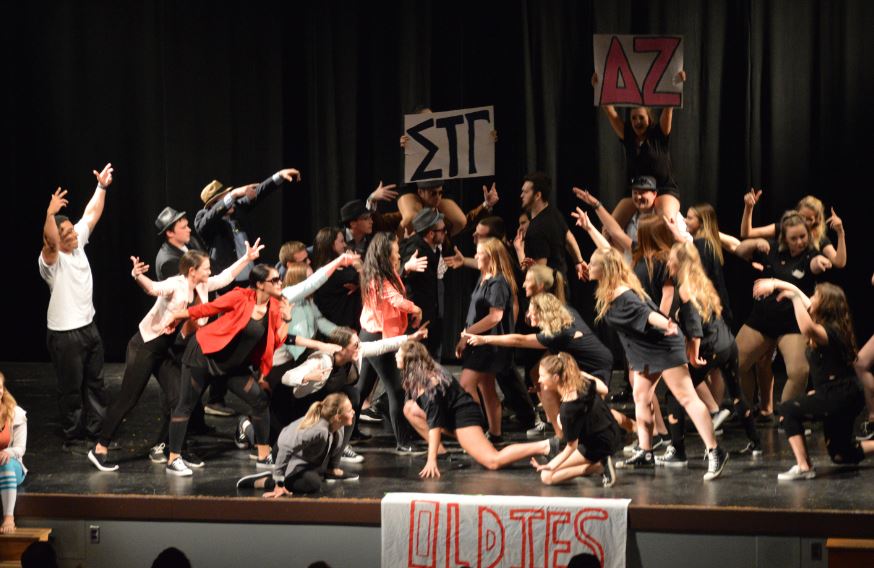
378,268
570,379
616,274
834,311
552,315
420,370
690,272
7,403
551,280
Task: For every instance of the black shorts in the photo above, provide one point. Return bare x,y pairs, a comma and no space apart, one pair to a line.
486,358
769,324
466,415
599,445
668,191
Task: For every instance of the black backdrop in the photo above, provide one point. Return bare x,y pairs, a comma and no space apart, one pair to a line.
175,94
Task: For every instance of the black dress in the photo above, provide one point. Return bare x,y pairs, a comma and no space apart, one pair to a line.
769,317
652,284
647,349
651,158
494,292
450,407
587,350
589,421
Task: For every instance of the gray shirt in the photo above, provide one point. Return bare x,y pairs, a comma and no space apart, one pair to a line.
315,447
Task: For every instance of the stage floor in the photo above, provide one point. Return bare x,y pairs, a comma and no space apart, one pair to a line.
746,499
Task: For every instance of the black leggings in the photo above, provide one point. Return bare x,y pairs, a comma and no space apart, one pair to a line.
143,359
303,480
384,366
244,385
836,404
726,362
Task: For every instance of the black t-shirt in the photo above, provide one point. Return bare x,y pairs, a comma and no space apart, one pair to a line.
586,415
441,404
493,293
587,350
783,266
339,299
829,362
652,286
824,241
646,347
715,335
651,158
545,238
713,269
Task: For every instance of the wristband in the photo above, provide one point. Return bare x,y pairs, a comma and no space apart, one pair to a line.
597,205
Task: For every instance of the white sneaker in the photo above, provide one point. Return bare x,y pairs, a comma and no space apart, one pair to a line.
178,468
719,417
795,474
350,456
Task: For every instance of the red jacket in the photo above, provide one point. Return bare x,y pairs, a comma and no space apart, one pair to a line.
386,314
237,306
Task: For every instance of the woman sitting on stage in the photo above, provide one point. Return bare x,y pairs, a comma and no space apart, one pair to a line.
13,440
308,451
240,345
836,398
655,349
587,422
437,405
150,346
709,345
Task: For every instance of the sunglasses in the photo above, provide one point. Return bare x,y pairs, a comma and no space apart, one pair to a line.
274,280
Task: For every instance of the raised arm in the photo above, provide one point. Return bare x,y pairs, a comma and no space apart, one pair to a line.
585,223
747,231
94,209
50,237
617,234
667,115
837,257
150,287
310,285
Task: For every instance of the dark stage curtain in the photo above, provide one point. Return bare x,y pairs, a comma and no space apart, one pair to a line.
176,94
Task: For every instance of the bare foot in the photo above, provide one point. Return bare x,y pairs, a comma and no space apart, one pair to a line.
8,526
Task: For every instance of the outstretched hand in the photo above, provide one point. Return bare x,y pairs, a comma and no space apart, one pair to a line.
421,333
289,174
384,192
582,218
104,178
586,197
835,222
254,251
752,197
58,201
473,339
416,263
490,196
139,267
454,261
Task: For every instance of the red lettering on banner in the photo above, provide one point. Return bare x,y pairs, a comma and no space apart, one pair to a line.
453,526
553,545
527,518
424,521
487,537
580,519
665,47
617,64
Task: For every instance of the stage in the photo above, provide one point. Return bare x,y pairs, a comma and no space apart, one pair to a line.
746,500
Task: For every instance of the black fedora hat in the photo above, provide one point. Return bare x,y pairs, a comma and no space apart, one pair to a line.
353,210
166,218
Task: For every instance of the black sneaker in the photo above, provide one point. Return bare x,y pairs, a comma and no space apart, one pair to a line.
345,476
866,431
266,463
370,415
716,460
241,439
178,468
158,453
556,445
608,476
642,459
623,395
658,441
672,458
101,461
248,481
753,449
351,456
192,460
410,450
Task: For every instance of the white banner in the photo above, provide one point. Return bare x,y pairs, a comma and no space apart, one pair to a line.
425,530
638,70
449,145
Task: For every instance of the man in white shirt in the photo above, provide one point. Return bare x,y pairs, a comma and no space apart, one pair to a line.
73,340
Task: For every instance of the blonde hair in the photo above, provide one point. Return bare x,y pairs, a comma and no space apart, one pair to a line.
709,230
551,280
551,313
288,250
296,273
654,240
329,409
615,274
499,262
570,379
7,403
690,272
818,229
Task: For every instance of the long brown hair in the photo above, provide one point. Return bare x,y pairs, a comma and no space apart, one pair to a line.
654,241
834,311
378,268
616,273
420,370
551,280
570,379
709,230
323,246
329,408
7,403
690,271
500,262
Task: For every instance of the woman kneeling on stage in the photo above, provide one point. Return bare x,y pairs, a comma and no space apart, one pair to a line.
437,405
309,450
586,420
836,398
